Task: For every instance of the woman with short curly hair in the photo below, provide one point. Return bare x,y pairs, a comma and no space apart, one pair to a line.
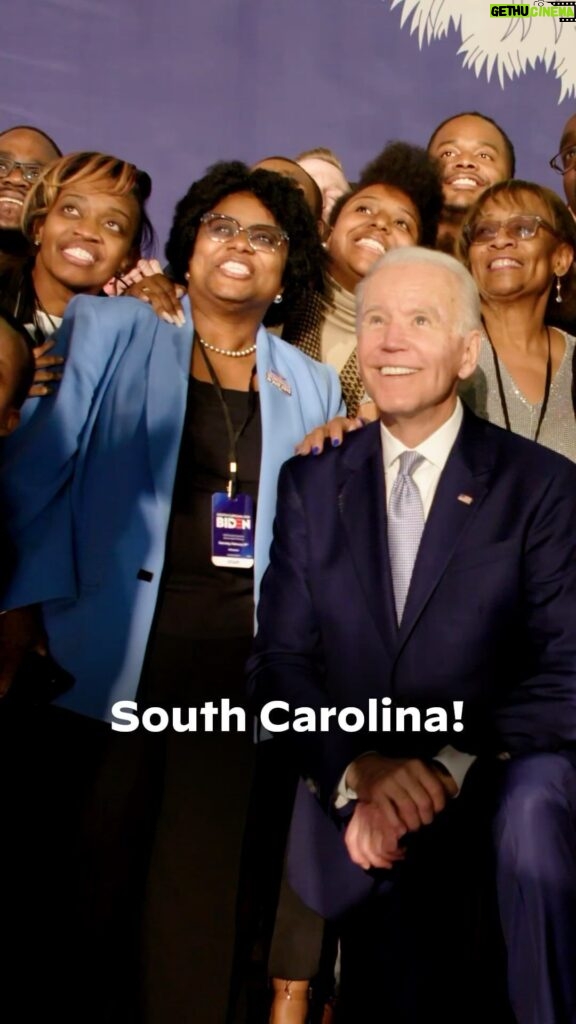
304,256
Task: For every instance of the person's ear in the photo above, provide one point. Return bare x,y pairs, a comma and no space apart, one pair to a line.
10,422
471,351
327,235
130,260
323,230
563,259
37,233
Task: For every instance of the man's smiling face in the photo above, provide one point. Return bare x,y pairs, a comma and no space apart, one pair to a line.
20,146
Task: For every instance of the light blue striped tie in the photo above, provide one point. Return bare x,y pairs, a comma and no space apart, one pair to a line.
405,526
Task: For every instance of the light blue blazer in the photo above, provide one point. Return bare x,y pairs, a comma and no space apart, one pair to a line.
87,482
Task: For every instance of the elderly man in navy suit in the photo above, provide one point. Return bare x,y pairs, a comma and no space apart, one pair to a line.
431,559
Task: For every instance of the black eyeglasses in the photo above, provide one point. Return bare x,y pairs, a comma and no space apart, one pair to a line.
521,227
30,172
261,237
564,161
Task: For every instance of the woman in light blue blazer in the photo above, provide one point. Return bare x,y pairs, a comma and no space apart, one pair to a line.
109,489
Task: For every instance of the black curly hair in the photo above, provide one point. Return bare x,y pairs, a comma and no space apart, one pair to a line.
306,258
410,170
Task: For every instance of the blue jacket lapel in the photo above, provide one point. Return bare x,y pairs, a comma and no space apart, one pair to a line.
166,399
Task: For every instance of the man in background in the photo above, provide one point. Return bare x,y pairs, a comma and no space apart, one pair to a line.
473,152
565,162
24,152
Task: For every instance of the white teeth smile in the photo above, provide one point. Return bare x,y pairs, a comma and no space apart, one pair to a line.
372,243
396,371
235,268
12,199
80,255
464,182
503,261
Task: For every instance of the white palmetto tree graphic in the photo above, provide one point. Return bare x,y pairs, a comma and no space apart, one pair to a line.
506,46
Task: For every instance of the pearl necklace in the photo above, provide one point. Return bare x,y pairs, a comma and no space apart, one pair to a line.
226,351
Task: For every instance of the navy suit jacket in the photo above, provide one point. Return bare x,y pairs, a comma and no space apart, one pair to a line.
490,617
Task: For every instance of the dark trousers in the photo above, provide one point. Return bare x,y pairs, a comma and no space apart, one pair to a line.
535,841
75,815
501,861
419,950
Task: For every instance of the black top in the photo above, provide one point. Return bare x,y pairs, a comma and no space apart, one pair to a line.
198,598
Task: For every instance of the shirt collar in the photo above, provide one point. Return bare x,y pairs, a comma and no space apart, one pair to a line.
435,448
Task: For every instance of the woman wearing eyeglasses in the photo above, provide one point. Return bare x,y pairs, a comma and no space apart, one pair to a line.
519,242
141,496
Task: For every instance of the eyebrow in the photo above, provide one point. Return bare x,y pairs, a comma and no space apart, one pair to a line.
476,145
83,199
27,163
410,214
259,224
378,199
376,307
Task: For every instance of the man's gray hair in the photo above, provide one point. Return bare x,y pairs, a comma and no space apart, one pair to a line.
470,316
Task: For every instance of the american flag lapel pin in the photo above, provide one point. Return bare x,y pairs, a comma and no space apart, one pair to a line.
466,499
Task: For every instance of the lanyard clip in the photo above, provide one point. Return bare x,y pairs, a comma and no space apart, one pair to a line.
233,481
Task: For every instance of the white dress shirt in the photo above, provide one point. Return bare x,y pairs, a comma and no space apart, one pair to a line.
435,450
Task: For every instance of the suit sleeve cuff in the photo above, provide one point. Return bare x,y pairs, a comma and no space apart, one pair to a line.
344,794
456,762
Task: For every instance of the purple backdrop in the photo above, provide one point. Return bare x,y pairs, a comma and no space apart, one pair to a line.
174,86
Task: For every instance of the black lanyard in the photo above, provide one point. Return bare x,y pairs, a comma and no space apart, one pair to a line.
40,333
233,436
547,385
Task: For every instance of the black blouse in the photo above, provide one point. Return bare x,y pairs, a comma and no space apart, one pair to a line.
197,597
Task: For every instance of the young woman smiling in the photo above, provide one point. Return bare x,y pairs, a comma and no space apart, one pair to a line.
397,202
87,220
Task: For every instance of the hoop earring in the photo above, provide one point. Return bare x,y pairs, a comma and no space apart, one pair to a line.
278,298
558,289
